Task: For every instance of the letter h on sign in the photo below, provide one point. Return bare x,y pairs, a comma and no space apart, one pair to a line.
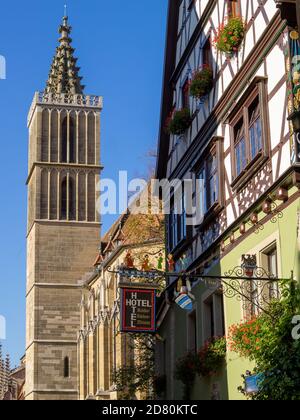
138,310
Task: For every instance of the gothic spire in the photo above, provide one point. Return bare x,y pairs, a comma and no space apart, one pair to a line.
64,73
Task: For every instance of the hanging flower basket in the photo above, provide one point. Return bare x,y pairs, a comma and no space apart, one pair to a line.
201,83
179,122
211,357
230,36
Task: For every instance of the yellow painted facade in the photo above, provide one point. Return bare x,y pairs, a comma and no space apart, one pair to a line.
103,349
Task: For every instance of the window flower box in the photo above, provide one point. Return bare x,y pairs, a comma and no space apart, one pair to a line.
211,357
201,83
230,36
179,122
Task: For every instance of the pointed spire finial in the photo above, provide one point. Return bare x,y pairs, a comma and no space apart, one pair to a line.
64,72
65,18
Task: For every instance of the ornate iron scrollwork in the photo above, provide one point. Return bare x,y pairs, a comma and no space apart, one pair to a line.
255,295
276,214
251,285
258,226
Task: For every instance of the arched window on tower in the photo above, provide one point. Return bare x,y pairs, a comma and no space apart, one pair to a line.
72,140
63,203
68,203
72,203
64,141
66,367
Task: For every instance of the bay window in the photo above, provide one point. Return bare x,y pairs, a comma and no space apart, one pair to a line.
249,133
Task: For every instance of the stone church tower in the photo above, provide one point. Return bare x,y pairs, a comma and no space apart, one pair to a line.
63,223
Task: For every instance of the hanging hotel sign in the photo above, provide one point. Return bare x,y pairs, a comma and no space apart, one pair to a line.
138,312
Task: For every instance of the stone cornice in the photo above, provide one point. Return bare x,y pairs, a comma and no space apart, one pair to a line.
53,343
68,166
73,223
53,286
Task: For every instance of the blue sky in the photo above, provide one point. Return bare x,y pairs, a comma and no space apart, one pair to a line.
120,46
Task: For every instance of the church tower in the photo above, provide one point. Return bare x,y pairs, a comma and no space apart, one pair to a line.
63,223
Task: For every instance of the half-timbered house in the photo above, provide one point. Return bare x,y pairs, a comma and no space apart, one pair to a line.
242,148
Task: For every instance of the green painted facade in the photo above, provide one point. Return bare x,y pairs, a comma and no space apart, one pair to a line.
174,328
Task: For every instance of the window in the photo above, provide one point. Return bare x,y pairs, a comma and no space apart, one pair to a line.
186,94
255,133
261,293
64,141
192,331
177,224
240,147
72,203
68,201
212,181
207,54
209,184
249,133
248,137
209,180
66,367
64,199
234,8
72,141
254,298
213,317
273,271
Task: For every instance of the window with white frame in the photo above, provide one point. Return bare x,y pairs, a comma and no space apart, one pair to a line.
273,271
260,293
269,258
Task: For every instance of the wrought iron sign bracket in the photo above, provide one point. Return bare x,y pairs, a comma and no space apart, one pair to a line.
242,282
